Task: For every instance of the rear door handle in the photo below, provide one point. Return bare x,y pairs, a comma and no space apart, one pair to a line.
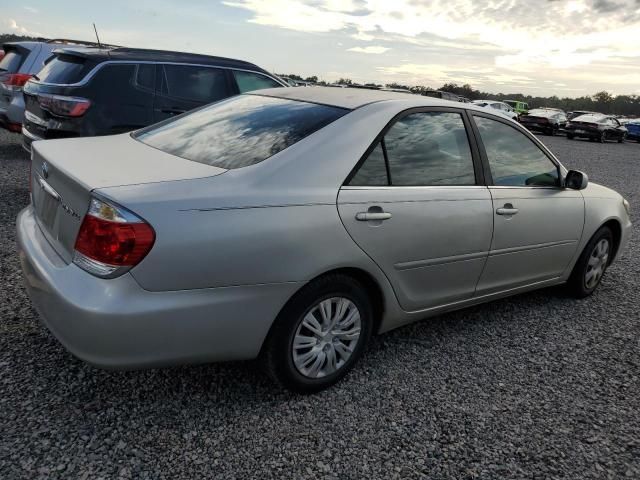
507,210
368,216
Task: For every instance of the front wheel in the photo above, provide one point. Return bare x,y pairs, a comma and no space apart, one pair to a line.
622,139
592,264
570,136
603,137
319,335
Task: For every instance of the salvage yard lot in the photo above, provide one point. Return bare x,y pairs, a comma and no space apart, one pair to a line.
536,386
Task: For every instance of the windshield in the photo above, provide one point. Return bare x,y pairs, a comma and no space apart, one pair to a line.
240,131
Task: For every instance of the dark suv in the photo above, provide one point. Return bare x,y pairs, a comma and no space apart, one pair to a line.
85,92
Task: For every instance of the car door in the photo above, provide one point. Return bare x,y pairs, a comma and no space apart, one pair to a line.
537,223
417,206
181,88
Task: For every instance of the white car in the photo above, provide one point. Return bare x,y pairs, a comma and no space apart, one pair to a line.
499,107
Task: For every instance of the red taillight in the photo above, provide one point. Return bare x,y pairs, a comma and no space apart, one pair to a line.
16,80
63,105
111,239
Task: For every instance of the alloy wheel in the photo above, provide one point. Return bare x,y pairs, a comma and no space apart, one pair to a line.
597,263
326,337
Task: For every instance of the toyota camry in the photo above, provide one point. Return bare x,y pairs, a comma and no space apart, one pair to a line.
291,225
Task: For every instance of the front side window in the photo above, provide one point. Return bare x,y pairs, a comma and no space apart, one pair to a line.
422,149
513,158
240,131
248,81
197,84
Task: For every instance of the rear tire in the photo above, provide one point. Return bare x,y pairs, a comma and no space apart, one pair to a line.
570,137
592,264
603,137
321,355
621,139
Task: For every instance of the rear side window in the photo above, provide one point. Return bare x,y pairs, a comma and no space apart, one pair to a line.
197,84
422,149
64,70
11,62
238,132
248,81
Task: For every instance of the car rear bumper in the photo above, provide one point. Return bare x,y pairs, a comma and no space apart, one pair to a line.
584,132
117,324
28,138
538,127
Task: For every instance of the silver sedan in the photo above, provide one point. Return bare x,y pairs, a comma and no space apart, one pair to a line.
292,224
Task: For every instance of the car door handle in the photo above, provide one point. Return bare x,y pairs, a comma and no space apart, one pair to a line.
507,210
368,216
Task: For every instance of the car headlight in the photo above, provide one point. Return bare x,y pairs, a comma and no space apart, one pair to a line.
627,206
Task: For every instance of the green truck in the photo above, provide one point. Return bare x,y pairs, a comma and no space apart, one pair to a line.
521,108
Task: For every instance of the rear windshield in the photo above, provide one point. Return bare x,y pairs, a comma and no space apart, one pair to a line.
241,131
64,69
11,62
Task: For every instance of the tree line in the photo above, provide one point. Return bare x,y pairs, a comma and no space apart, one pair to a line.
603,102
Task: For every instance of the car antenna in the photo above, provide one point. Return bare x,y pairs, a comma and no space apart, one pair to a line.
98,38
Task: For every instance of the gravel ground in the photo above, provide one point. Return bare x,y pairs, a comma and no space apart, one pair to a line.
539,386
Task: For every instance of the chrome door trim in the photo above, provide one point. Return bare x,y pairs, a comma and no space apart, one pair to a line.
440,261
538,246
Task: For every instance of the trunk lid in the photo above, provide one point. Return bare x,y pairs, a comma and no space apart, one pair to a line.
65,172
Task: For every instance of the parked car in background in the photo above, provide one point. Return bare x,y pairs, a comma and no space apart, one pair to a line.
397,90
87,92
521,108
578,113
633,129
21,61
261,225
442,95
499,107
544,120
596,127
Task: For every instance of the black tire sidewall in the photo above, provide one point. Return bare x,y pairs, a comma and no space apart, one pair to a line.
281,338
577,279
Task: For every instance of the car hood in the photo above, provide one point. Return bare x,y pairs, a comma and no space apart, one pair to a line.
116,160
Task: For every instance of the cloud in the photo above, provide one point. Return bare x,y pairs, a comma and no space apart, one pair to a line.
365,37
372,49
30,9
13,25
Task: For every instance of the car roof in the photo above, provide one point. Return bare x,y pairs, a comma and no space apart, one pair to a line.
353,98
590,116
150,55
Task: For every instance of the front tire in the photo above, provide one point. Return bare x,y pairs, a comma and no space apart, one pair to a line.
603,137
592,264
319,335
570,136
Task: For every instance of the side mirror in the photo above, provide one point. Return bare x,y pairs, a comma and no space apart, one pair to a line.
576,180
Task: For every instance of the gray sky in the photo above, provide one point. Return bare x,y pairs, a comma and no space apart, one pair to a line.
540,47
